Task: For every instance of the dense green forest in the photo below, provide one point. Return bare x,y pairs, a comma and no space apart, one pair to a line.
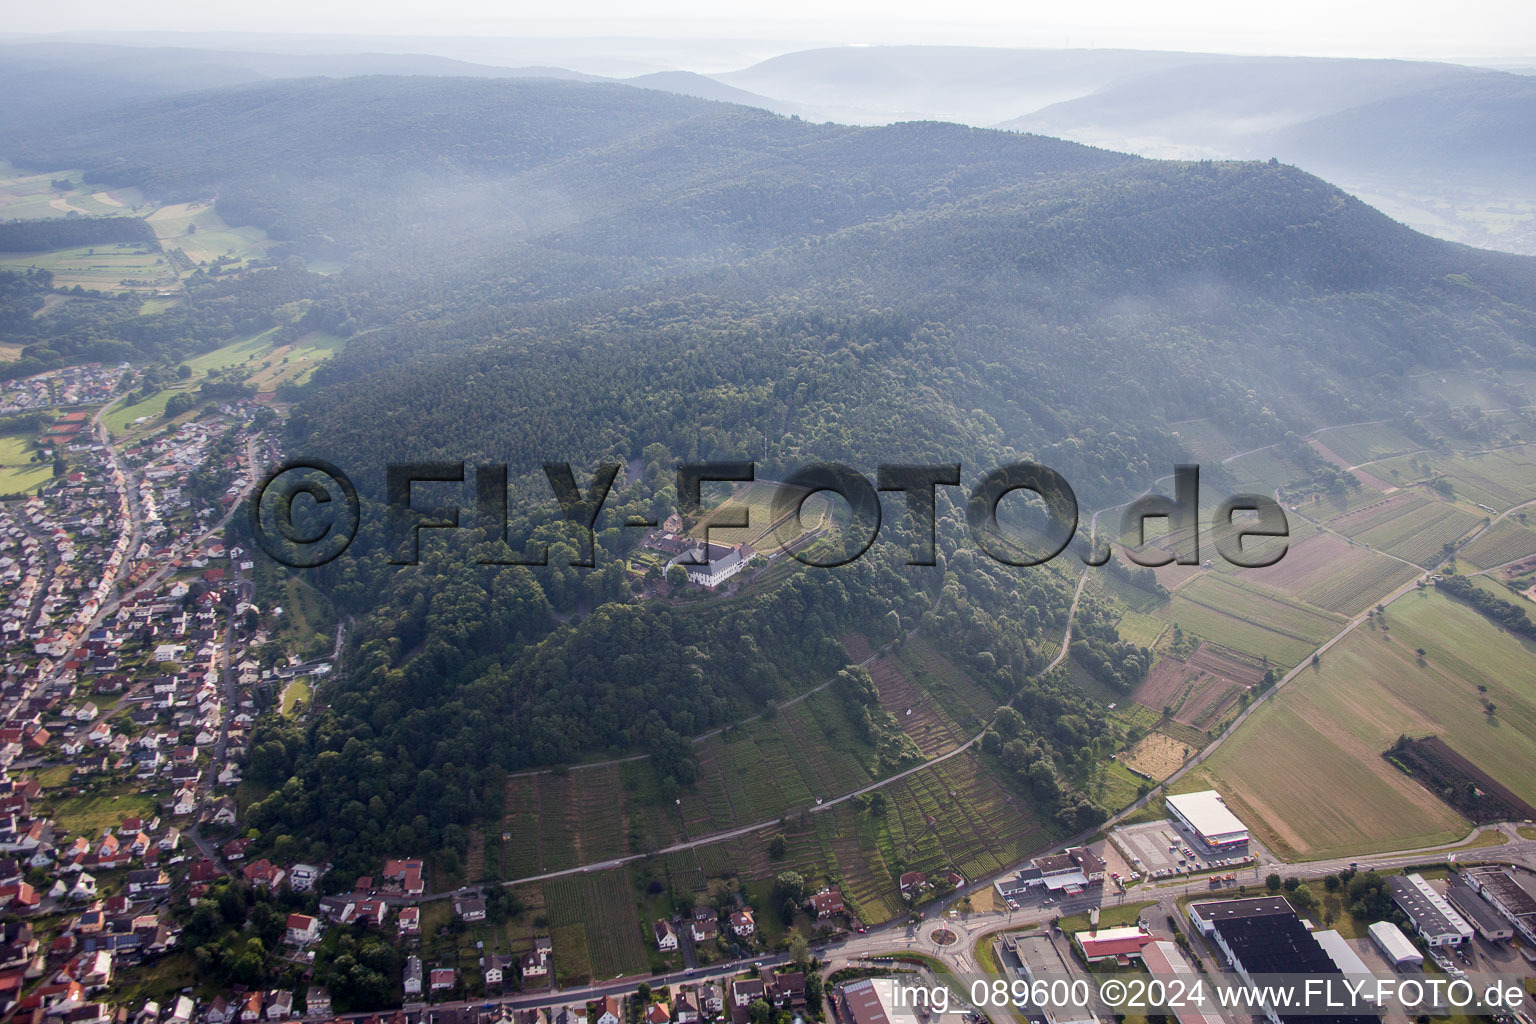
557,271
73,232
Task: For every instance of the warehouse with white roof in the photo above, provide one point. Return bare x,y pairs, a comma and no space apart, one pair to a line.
1206,815
1396,946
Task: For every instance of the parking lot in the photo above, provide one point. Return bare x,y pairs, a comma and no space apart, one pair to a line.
1161,849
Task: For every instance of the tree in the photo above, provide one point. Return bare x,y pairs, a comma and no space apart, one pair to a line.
813,992
1272,882
778,847
800,951
759,1012
676,577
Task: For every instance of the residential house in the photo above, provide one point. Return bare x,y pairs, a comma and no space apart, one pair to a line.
303,929
469,906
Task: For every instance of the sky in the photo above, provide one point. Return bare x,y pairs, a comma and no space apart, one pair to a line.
1434,29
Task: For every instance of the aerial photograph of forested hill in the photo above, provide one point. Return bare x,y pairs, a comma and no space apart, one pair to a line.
812,513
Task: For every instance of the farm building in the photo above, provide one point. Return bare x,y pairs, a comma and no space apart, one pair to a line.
1206,815
1432,917
1396,946
1480,914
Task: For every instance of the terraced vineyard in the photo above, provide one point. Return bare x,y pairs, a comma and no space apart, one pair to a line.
612,945
520,825
920,716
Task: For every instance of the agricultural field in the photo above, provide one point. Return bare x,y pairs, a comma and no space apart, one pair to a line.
295,363
120,419
1499,479
1222,609
1411,526
106,267
777,765
1366,442
951,815
612,946
1505,541
1139,629
201,235
18,473
1203,439
26,196
1199,690
265,365
1262,471
1156,754
952,686
1306,769
1332,573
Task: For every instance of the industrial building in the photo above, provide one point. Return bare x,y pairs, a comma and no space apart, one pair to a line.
1122,945
1501,889
1344,957
1068,873
1396,946
1263,936
1433,918
1479,913
1166,962
1206,815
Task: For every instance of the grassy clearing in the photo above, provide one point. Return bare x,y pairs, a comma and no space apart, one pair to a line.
149,414
1306,772
88,813
296,697
145,415
17,472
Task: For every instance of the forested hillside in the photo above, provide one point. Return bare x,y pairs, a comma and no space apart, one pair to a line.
557,271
